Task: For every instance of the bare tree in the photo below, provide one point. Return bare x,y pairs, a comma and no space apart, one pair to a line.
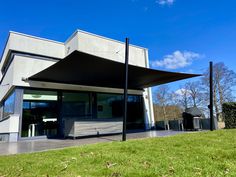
191,94
162,98
181,97
184,97
223,81
195,93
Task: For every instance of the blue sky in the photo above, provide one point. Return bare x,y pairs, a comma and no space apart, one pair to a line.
181,35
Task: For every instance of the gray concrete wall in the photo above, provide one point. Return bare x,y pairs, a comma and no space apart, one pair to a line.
105,48
26,65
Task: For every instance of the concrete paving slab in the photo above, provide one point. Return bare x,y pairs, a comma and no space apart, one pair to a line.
29,146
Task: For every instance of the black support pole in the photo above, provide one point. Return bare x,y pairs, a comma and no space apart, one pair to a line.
211,96
125,88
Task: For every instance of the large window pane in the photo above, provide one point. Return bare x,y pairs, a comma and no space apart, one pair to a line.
109,105
8,106
135,117
76,105
40,113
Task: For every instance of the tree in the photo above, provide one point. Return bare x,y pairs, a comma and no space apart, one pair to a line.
223,81
195,93
164,106
189,95
162,98
181,97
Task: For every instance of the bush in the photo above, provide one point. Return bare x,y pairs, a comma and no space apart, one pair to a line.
229,113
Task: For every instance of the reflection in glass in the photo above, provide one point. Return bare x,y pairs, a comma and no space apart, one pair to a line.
40,112
1,111
109,106
8,106
40,95
76,105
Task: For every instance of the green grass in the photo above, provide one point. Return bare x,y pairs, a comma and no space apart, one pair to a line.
193,154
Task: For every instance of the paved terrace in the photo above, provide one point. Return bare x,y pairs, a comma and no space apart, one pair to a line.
28,146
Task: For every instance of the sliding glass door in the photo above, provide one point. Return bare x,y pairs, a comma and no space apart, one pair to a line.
76,105
40,114
110,106
52,113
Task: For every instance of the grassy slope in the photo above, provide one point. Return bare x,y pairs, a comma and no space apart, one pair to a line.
194,154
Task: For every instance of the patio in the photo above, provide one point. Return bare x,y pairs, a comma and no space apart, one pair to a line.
29,146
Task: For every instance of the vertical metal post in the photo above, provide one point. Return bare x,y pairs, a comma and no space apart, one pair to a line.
60,129
211,96
125,88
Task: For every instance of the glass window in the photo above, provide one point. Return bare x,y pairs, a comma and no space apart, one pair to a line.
40,113
26,105
40,95
1,111
109,105
8,105
135,114
76,105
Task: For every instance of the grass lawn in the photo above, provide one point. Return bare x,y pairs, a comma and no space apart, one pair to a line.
193,154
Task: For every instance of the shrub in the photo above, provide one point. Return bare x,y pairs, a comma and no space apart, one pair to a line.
229,113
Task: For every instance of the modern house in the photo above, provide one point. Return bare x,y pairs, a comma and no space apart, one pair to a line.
53,89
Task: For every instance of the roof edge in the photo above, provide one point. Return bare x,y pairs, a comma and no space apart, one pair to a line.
100,36
35,37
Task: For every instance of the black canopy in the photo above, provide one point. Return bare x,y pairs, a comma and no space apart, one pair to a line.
84,69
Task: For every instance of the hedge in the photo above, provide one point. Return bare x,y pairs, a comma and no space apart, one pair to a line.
229,113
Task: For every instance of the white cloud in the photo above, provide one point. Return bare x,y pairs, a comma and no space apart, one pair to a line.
176,60
182,92
165,2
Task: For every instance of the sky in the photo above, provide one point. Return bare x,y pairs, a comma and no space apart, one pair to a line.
181,35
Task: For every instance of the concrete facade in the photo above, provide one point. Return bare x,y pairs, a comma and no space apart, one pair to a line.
26,55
